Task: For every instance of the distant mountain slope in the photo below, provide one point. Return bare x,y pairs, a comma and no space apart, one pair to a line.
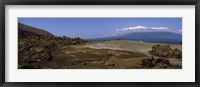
155,37
26,28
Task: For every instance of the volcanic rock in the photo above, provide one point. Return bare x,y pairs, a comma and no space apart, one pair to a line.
165,51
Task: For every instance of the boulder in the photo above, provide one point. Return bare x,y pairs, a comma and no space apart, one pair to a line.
154,63
165,51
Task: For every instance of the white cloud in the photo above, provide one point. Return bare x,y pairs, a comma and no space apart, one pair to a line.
142,28
118,30
138,27
159,28
132,28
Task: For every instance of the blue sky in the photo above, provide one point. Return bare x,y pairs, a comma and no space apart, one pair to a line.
99,27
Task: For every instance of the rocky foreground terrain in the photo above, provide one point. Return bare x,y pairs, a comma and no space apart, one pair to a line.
45,51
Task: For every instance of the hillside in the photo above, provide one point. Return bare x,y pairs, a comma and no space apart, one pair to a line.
37,47
26,28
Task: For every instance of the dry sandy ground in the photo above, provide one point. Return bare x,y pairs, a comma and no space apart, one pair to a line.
142,47
117,54
126,45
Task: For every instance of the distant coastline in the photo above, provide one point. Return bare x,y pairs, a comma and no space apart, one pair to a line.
145,41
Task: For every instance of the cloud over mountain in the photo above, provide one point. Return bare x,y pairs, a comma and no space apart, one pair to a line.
142,28
159,28
132,28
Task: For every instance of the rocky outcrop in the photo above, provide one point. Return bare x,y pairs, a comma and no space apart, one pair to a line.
152,63
157,63
165,51
34,50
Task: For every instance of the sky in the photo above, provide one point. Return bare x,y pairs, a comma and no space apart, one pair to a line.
88,28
